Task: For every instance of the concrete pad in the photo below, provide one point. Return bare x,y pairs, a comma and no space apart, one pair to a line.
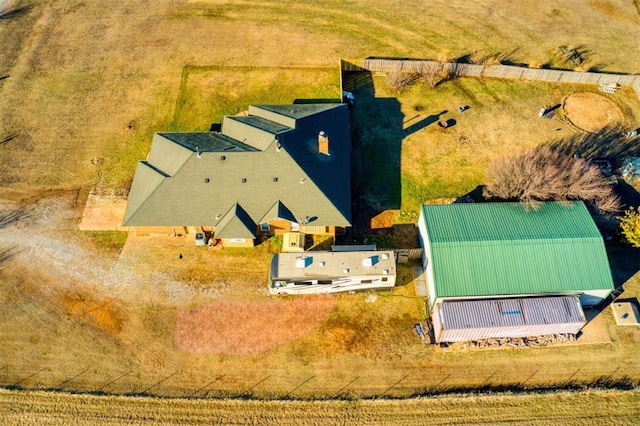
625,313
103,213
595,332
420,281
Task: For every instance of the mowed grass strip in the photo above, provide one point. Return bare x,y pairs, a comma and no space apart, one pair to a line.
570,408
208,93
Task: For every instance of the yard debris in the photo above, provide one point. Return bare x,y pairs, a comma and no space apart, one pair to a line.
514,342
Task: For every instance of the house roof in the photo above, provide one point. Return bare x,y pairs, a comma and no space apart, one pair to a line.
236,224
490,249
264,166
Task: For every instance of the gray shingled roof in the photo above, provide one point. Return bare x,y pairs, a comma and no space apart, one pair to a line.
194,179
236,224
207,142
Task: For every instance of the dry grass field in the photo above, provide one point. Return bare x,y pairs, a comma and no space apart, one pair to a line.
84,86
567,408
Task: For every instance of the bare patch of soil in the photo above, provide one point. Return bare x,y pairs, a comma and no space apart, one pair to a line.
592,112
237,327
101,314
384,220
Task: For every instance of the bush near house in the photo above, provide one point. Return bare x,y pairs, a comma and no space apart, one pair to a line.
630,226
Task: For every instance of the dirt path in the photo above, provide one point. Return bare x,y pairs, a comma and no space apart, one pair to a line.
39,236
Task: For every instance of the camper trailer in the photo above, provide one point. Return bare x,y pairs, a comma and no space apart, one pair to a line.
317,272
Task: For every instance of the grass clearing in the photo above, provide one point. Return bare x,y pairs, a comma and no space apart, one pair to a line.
425,161
89,85
209,93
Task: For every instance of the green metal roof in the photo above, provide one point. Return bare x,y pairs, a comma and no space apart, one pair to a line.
488,249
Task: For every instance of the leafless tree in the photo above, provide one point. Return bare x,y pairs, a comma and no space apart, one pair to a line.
542,174
398,80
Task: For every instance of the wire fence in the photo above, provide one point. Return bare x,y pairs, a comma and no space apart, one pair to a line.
493,71
274,385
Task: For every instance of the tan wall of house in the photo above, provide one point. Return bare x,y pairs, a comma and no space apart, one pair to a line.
194,229
318,229
228,242
279,226
159,230
169,230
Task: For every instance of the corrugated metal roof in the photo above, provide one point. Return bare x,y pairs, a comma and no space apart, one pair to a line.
508,222
504,248
483,313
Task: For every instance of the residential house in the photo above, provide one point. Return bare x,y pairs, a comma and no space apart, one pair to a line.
279,168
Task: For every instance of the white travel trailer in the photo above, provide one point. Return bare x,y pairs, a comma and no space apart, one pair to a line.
317,272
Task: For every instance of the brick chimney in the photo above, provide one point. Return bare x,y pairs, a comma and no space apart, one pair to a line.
323,143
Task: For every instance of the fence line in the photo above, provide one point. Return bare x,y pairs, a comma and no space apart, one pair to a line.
493,71
444,381
404,255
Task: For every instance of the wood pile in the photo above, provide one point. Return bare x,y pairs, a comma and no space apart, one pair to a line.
521,342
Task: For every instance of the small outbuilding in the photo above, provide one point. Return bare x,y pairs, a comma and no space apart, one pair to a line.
466,320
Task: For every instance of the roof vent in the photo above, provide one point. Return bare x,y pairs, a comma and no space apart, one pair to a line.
345,270
244,180
385,271
207,180
198,155
303,262
222,158
275,179
322,263
323,143
303,180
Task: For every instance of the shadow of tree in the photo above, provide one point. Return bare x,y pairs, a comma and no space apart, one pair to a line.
6,254
14,216
610,143
15,12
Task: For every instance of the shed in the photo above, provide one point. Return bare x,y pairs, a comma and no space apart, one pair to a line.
293,242
466,320
490,250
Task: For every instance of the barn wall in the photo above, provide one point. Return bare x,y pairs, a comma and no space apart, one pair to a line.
426,259
593,297
465,335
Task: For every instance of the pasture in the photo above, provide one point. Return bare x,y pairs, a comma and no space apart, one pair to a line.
83,87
